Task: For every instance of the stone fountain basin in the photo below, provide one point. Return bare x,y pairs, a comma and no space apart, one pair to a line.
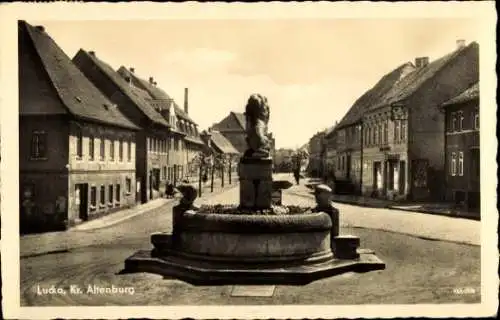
256,238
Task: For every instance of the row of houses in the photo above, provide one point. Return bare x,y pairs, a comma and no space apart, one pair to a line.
412,136
94,140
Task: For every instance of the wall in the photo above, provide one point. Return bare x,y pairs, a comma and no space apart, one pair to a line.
57,130
427,120
99,172
462,141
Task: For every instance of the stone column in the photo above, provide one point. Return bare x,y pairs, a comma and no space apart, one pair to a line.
256,182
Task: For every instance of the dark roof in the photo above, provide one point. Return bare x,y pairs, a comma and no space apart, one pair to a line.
472,93
240,118
137,96
222,143
194,139
330,130
374,94
81,98
155,92
412,82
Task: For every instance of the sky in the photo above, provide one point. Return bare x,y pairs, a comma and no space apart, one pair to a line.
311,70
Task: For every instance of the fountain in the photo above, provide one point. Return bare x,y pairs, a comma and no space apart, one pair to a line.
255,242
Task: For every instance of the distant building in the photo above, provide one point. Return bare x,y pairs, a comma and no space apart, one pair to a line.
184,143
350,147
76,149
282,160
330,153
316,151
462,165
223,150
233,127
153,138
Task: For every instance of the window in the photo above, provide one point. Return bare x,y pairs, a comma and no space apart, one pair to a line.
112,150
120,150
91,148
110,195
386,132
129,151
476,119
403,130
102,197
453,164
380,137
461,163
397,131
39,145
79,144
376,135
128,185
102,149
453,123
93,197
118,193
460,119
164,173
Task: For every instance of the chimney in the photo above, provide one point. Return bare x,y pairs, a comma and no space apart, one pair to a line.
40,28
151,80
460,44
132,69
186,106
92,53
421,62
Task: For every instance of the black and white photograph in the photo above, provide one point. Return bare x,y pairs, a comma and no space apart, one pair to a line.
287,160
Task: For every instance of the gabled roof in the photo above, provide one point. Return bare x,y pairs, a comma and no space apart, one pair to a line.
155,92
472,93
221,143
240,118
137,96
81,98
371,97
413,81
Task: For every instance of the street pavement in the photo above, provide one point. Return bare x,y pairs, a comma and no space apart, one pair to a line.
422,225
417,270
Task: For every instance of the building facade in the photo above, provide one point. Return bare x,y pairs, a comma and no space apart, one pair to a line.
462,163
152,140
404,129
76,149
184,143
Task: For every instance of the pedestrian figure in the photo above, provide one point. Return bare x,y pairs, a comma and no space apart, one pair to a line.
169,192
296,175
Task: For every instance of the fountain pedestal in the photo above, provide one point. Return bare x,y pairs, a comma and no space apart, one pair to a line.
256,182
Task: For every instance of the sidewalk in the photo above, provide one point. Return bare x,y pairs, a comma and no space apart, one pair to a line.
82,235
444,209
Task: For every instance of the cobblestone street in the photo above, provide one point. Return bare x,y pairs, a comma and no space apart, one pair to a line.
418,270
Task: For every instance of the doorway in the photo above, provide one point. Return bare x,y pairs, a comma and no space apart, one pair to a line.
81,197
402,177
348,165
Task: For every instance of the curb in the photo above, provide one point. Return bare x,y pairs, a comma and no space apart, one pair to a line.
391,207
74,231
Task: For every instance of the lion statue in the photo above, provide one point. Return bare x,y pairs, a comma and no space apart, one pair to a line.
257,118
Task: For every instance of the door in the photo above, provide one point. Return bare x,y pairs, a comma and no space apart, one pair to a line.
348,174
81,200
402,177
150,177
